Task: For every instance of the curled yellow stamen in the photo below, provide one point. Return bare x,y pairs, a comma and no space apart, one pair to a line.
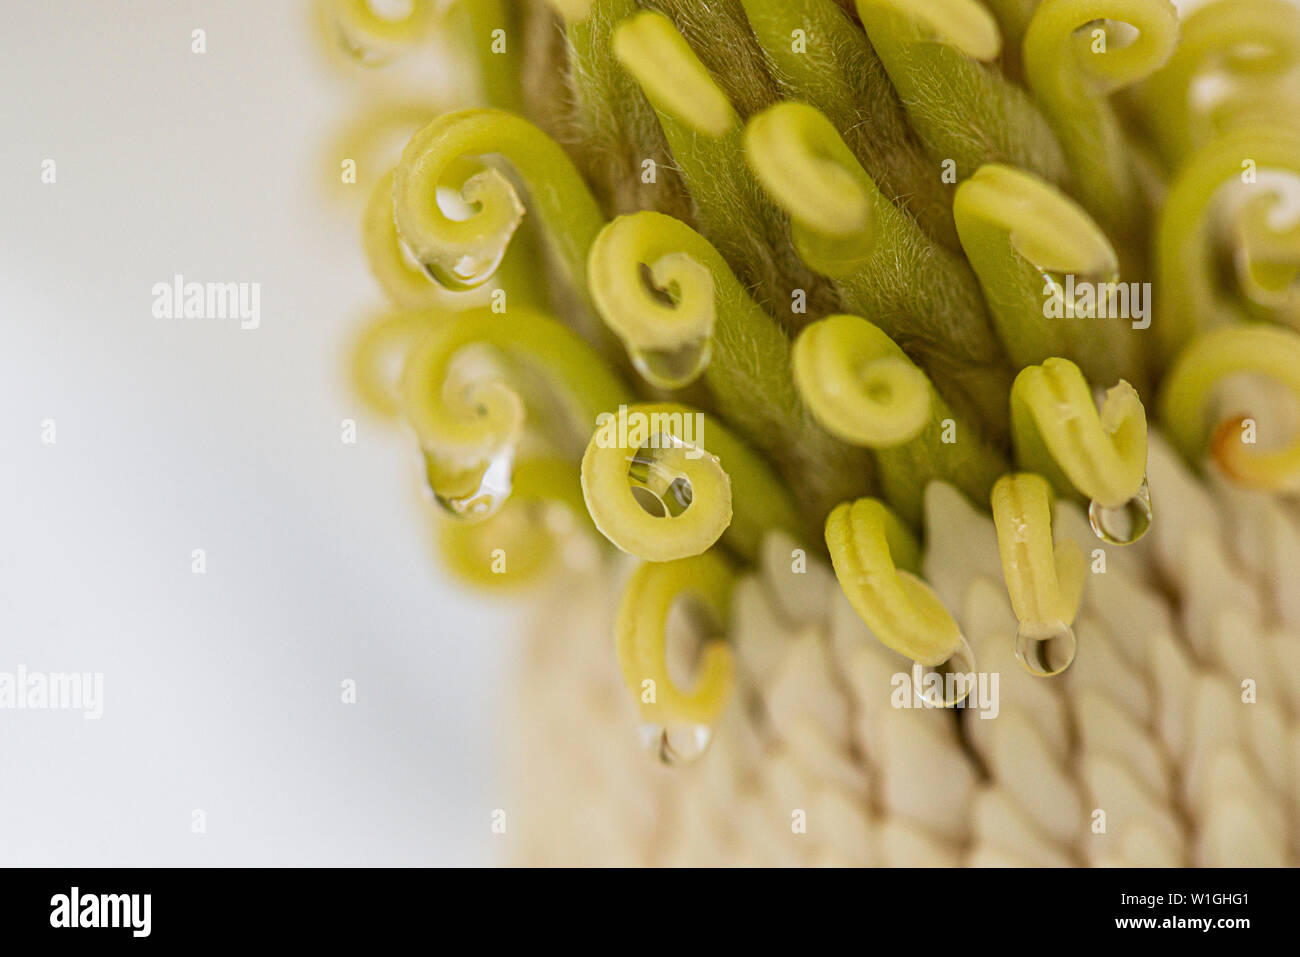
366,147
799,158
1188,391
1059,433
676,723
469,421
1248,49
1268,256
464,253
1040,223
667,329
381,345
681,311
867,543
526,540
659,481
1045,582
671,75
374,39
964,24
1024,237
1073,59
1186,238
858,384
405,283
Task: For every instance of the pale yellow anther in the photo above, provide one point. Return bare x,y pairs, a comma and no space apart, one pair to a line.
798,156
674,80
641,636
1044,581
867,543
858,384
964,24
1059,432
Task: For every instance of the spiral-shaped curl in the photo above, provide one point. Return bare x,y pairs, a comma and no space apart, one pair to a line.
1023,236
803,164
1188,393
385,337
667,322
469,420
1073,59
874,556
374,39
529,538
1186,231
679,309
1059,433
641,640
1044,581
1249,48
1268,256
659,480
464,253
858,384
405,283
883,266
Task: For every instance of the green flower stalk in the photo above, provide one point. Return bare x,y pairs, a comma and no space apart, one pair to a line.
804,308
966,112
883,266
1023,236
703,132
823,59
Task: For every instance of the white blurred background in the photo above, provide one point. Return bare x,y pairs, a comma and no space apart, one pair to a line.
222,691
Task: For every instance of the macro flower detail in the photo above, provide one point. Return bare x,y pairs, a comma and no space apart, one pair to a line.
890,410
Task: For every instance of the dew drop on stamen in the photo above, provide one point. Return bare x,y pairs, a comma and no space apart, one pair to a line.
675,745
1045,649
673,368
1126,524
483,501
957,677
465,274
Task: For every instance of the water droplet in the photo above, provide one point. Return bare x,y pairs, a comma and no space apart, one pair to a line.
1045,648
673,368
465,272
359,51
660,489
475,494
675,745
1126,524
948,684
